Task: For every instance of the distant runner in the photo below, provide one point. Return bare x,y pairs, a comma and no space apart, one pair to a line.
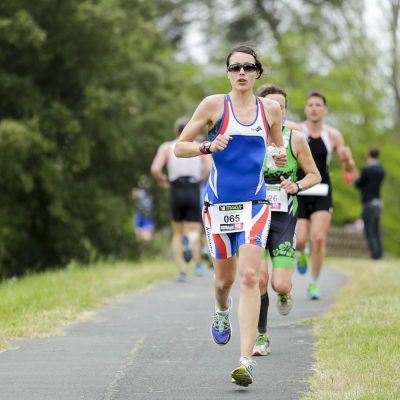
315,204
143,219
184,180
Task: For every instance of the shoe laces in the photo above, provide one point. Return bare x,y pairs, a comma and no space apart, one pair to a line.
261,340
283,298
302,260
248,363
221,320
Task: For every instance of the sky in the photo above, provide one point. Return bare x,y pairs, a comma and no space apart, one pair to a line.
194,43
373,15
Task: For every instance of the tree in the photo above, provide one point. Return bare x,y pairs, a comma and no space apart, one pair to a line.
325,46
88,89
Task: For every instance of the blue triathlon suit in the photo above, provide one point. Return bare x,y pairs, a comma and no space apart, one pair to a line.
237,176
143,220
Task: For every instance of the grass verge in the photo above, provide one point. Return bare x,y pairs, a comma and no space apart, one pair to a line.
40,304
358,340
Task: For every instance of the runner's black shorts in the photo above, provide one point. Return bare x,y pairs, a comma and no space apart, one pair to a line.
310,204
184,200
281,242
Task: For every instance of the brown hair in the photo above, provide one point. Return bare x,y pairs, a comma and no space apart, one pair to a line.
247,50
265,90
318,94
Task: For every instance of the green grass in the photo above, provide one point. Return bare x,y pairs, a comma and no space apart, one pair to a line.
358,340
41,304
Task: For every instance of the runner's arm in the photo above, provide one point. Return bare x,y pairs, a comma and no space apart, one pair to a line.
293,125
207,165
201,117
158,164
302,152
343,152
274,117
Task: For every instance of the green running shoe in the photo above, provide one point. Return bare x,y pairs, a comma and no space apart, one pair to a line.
313,291
284,303
243,375
302,263
261,348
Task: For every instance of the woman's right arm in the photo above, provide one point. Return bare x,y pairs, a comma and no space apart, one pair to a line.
203,115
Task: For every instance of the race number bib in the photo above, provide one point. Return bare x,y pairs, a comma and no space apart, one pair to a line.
278,198
230,217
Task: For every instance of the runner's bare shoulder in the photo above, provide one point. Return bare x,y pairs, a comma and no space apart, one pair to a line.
213,106
335,136
293,125
215,100
297,141
269,104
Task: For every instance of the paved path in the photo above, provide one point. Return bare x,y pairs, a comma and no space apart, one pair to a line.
156,345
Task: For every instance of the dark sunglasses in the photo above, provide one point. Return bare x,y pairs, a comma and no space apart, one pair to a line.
247,67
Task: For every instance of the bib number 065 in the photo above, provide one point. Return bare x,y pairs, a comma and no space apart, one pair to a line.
231,218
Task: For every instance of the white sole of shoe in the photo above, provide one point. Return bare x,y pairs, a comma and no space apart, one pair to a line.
258,352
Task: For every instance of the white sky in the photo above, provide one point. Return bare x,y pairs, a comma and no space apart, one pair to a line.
196,47
373,16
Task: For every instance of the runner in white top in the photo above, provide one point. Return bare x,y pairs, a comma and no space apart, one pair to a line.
184,180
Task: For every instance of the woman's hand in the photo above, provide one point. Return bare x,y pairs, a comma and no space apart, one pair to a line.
220,143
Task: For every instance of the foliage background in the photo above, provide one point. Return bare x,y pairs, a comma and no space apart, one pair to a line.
89,89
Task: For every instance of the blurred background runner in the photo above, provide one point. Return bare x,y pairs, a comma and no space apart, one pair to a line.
143,219
183,179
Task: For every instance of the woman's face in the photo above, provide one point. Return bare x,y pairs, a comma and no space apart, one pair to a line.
280,98
241,71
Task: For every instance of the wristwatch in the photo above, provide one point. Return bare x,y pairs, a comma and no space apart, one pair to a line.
205,148
299,187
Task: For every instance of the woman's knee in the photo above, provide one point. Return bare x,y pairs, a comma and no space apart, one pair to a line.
249,278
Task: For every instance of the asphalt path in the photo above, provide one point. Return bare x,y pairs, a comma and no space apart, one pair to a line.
156,344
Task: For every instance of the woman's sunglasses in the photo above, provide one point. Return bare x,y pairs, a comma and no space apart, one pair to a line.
247,67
